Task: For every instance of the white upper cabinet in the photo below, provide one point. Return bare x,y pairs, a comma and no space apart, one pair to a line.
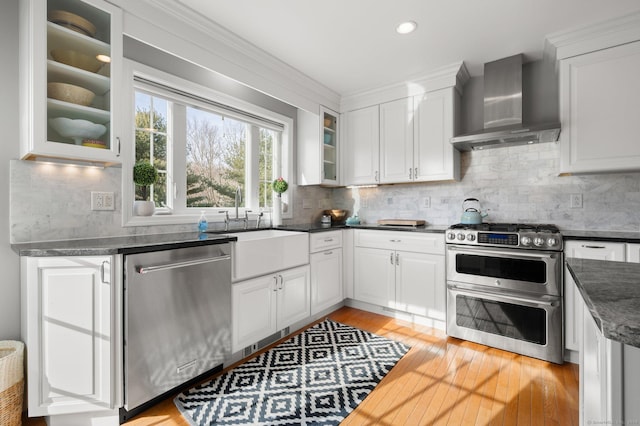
361,146
396,141
402,133
599,96
434,122
71,59
318,148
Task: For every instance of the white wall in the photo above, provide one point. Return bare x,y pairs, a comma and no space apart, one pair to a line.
9,265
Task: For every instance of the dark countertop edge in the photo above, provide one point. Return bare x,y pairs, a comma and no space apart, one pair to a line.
610,329
610,236
116,245
429,229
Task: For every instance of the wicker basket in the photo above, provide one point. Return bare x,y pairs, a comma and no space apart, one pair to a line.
11,382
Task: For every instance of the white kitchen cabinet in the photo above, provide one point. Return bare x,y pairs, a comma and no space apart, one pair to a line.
633,253
402,271
414,139
396,141
318,148
599,98
70,327
572,301
261,306
326,270
435,123
361,146
38,38
601,378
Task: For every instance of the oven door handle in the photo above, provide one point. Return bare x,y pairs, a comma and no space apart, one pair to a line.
509,254
503,297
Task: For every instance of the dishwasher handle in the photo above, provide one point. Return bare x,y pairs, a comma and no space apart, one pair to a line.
148,269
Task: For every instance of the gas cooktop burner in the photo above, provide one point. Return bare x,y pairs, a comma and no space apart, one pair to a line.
515,235
508,227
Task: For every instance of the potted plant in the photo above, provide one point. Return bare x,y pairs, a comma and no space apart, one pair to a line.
144,175
279,186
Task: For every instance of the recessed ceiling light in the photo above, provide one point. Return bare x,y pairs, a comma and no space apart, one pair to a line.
406,27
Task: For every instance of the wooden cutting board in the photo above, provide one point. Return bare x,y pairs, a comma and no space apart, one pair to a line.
402,222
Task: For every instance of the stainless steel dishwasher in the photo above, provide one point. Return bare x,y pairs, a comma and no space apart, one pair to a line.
177,321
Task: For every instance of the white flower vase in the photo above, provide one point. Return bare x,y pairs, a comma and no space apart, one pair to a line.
143,208
276,214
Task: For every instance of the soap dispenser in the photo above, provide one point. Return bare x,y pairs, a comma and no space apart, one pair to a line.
202,222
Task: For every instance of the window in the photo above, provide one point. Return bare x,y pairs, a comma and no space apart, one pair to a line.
206,147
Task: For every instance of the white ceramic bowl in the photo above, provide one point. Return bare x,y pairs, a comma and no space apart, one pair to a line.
77,129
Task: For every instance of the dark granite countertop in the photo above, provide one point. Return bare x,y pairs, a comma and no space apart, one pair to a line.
612,236
318,227
125,244
611,291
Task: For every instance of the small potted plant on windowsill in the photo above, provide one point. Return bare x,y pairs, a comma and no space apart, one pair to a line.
144,175
279,186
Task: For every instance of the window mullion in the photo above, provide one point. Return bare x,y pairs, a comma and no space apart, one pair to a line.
178,131
252,168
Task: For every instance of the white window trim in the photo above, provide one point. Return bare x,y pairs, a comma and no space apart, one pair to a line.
132,68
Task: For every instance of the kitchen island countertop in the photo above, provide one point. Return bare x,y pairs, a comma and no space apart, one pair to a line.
611,292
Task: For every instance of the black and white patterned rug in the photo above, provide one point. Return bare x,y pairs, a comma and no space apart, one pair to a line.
314,378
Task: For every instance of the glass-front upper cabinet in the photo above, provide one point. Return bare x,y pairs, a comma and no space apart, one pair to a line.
71,59
329,146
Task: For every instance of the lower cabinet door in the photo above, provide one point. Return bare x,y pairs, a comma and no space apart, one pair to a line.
253,310
374,276
326,279
67,314
294,299
420,284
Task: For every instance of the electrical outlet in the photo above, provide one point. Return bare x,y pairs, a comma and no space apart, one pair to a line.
307,203
427,202
576,201
102,201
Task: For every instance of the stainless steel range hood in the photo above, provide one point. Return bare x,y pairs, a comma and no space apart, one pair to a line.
503,121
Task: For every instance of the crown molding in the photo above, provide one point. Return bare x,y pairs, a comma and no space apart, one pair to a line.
600,35
454,75
176,29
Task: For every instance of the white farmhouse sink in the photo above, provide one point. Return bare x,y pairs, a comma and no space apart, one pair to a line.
263,252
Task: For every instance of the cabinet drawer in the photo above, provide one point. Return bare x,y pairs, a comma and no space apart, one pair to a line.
325,240
407,241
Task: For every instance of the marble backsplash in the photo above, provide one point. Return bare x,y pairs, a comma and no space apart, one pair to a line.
513,184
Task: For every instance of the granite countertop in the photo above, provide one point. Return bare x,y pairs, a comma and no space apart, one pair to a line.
611,291
318,227
125,244
613,236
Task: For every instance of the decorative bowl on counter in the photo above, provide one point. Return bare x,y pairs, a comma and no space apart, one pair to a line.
78,130
76,59
73,22
70,93
337,215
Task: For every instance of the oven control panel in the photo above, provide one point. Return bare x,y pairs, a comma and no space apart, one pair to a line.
526,240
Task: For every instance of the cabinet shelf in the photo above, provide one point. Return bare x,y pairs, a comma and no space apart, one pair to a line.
65,109
329,162
61,73
64,38
329,146
329,129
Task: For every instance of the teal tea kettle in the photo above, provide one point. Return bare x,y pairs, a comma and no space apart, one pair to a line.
471,212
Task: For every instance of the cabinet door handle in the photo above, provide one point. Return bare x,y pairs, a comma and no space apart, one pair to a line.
275,280
328,253
376,178
410,173
391,258
102,271
397,258
594,247
281,282
118,139
328,240
395,241
415,173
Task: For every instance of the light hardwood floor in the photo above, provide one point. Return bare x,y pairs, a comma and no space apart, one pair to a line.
443,381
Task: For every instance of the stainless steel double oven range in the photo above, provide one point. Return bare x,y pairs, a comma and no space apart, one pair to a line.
504,287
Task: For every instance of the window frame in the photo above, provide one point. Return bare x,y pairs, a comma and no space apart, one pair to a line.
165,216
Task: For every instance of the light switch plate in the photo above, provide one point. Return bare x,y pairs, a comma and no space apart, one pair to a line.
102,201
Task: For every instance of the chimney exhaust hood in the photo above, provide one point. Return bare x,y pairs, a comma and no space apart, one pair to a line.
503,123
